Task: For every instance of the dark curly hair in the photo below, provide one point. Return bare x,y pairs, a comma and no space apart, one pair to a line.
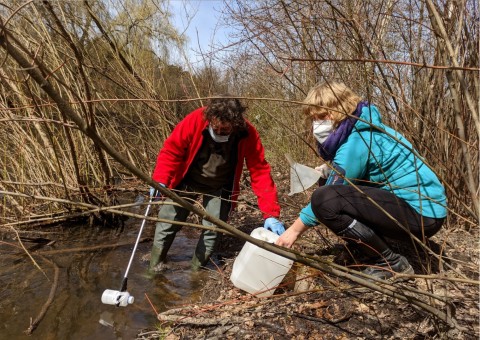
226,109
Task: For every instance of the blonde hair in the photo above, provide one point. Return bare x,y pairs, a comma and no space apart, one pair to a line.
334,99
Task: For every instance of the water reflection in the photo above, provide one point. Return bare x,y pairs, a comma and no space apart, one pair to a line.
76,311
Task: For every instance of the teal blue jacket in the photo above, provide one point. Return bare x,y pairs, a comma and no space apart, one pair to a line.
376,155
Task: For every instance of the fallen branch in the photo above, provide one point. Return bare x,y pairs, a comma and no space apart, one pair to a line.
34,324
198,321
22,246
81,249
322,320
94,209
99,247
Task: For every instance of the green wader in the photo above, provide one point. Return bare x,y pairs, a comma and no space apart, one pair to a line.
165,232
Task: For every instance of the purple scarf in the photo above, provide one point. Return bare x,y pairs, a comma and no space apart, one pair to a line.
329,148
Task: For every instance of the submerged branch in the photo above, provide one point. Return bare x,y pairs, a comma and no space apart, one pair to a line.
34,324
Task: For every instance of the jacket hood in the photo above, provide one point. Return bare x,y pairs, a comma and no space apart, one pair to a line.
370,116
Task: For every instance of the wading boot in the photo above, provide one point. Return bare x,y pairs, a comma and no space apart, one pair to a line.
199,261
383,263
157,259
205,247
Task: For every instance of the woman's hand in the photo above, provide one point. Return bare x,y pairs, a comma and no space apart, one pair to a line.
324,170
288,238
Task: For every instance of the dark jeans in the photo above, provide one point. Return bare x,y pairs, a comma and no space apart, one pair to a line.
337,206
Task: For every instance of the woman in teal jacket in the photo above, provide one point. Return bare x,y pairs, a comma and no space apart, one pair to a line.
376,183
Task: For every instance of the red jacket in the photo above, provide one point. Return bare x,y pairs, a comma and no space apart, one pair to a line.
180,148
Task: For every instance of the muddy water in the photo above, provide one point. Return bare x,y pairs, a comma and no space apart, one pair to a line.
76,311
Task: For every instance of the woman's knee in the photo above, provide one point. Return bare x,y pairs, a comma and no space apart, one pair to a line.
324,198
328,205
325,203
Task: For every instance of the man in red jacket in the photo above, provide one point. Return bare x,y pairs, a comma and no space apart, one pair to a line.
204,155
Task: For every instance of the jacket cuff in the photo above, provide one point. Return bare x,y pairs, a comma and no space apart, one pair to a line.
308,217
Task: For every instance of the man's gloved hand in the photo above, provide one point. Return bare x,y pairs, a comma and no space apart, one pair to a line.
155,195
274,225
324,170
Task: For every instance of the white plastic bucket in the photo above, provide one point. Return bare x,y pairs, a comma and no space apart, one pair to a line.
258,270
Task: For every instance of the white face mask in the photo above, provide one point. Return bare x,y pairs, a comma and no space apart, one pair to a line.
322,129
217,138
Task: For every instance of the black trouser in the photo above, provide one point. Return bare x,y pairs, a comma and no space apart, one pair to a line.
337,206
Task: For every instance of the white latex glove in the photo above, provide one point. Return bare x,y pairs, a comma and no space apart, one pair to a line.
324,170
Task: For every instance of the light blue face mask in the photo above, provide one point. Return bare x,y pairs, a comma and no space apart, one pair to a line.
217,138
322,129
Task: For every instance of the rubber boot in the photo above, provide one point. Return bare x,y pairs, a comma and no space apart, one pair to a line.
157,259
384,262
165,234
205,247
202,255
198,263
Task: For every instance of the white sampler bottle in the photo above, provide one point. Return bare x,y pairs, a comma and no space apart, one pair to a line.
115,297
